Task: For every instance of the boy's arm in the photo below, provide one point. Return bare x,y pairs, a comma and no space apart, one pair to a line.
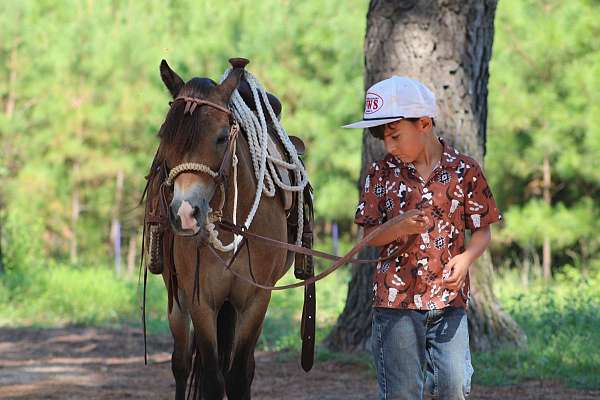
480,239
480,211
459,264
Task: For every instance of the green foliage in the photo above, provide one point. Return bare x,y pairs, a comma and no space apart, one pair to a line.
22,246
88,99
561,322
61,294
544,102
563,225
83,100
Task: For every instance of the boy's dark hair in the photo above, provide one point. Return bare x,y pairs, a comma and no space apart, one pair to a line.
377,131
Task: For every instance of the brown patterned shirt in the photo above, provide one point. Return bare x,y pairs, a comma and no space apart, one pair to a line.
455,197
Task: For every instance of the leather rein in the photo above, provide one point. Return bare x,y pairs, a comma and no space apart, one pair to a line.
220,178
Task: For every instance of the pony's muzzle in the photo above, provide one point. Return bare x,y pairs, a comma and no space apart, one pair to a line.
188,216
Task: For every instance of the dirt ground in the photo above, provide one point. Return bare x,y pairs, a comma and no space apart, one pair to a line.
94,363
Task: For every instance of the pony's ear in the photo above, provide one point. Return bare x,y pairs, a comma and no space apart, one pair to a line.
170,78
231,83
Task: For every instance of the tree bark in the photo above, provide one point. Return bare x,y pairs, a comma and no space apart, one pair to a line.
446,45
547,250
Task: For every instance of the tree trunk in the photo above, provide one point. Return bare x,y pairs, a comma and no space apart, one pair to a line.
547,251
447,45
131,252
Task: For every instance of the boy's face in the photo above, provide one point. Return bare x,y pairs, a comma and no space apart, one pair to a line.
406,139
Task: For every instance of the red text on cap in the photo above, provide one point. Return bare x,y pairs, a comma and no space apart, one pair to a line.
373,103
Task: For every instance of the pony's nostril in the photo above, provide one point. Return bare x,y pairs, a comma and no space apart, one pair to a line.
196,212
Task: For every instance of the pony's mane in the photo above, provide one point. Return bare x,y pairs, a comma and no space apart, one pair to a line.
179,131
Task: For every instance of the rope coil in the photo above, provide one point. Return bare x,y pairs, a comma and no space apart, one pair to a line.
264,163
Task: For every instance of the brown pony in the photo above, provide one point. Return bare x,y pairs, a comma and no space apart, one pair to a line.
226,314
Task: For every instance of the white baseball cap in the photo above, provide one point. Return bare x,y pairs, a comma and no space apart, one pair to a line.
395,98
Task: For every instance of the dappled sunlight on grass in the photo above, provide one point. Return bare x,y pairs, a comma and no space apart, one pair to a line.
561,320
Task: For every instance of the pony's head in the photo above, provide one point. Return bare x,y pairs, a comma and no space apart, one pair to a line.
196,134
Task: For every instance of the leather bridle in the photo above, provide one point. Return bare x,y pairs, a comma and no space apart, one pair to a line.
219,177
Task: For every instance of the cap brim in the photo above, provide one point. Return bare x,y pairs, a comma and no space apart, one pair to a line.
370,123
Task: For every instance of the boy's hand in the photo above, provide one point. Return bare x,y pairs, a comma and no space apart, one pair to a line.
458,266
415,222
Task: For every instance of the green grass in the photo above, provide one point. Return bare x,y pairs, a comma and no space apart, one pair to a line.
562,323
60,295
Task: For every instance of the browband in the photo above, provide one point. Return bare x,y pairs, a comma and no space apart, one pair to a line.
192,102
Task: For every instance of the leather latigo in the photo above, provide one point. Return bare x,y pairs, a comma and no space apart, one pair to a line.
455,197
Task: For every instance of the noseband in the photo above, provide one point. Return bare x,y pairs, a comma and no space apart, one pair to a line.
220,177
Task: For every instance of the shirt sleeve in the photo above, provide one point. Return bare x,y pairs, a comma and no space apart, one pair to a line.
369,211
479,207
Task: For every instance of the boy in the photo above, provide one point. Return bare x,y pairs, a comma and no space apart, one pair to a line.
420,298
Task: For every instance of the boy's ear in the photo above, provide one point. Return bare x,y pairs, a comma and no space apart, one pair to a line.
425,123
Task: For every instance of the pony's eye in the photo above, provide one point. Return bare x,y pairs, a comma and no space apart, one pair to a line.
223,135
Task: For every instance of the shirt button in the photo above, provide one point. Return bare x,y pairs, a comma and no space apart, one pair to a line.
425,190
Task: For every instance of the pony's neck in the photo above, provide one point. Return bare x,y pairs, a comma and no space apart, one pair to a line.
246,183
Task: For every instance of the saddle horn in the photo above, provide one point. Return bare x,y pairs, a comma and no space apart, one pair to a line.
233,80
239,62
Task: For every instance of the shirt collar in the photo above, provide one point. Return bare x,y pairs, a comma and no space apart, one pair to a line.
449,158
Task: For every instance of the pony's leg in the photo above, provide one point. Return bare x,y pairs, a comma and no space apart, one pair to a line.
247,331
226,335
181,359
208,377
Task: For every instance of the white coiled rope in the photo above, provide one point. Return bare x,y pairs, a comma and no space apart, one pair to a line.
264,164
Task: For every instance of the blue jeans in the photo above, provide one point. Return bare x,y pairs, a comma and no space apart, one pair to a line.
415,349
